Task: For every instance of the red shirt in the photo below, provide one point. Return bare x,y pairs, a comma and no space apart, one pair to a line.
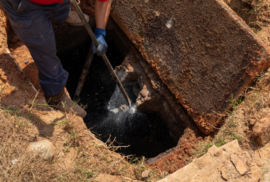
47,2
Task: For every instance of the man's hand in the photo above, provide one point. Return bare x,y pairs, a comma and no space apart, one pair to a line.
102,47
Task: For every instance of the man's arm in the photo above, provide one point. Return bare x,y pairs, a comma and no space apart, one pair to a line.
102,13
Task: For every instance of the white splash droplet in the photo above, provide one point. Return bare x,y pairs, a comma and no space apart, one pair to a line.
132,110
170,23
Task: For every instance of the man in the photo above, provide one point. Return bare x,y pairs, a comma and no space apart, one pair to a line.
31,21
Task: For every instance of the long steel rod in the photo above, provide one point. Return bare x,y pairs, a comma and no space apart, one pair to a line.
104,57
86,67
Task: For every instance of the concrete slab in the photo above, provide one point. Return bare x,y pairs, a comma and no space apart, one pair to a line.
217,166
201,50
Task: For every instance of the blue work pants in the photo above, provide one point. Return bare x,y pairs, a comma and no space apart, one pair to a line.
32,23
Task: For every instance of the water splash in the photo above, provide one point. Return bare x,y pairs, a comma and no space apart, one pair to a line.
170,23
119,115
119,109
132,110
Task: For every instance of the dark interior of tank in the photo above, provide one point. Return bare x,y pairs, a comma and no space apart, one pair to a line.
144,134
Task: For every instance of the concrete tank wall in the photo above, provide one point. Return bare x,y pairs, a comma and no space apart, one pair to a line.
201,50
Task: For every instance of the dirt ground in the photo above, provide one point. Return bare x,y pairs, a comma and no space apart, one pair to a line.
25,118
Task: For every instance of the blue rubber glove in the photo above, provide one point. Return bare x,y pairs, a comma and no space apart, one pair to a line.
102,47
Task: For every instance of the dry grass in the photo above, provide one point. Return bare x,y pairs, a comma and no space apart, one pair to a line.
15,164
90,157
252,106
261,11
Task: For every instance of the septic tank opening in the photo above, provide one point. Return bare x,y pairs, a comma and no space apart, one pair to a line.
145,133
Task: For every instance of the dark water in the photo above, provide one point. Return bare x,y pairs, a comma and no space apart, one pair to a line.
146,134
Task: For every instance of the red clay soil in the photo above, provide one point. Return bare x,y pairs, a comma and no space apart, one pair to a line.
3,32
23,57
10,75
208,55
177,157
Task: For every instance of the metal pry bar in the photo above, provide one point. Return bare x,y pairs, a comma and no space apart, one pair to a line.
86,67
104,57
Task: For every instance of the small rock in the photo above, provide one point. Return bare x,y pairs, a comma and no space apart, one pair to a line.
261,131
239,165
145,173
252,122
14,161
26,62
44,147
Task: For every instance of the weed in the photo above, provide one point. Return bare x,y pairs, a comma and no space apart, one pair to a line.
98,146
219,142
105,157
28,83
163,175
2,89
203,149
84,106
84,159
62,177
235,136
134,160
265,170
231,123
109,161
29,116
229,113
73,138
67,126
138,175
235,103
66,149
45,105
85,174
89,174
12,111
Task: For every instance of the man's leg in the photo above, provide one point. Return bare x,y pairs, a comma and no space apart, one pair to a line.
63,14
39,37
40,40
